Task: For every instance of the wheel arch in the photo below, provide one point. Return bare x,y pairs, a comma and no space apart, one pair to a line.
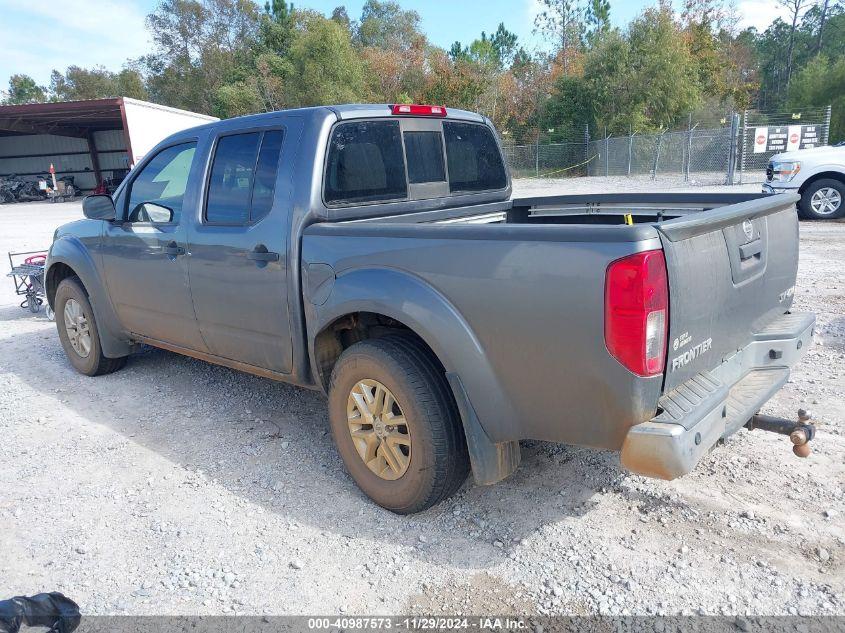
57,272
367,301
349,328
832,175
372,302
68,257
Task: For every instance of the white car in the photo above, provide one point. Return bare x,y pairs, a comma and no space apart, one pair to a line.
817,174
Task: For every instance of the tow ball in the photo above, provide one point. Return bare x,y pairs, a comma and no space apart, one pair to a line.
799,433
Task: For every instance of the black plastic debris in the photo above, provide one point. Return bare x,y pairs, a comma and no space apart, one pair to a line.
53,610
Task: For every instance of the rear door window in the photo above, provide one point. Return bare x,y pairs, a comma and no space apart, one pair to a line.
365,163
231,179
265,174
243,177
473,158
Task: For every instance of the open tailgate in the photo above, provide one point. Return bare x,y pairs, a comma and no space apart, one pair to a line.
731,272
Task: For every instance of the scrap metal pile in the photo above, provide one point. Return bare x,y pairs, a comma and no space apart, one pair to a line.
15,189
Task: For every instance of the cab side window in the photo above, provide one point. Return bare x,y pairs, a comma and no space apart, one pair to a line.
157,193
243,177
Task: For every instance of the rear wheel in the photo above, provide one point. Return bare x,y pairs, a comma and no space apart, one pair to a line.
823,200
396,425
78,331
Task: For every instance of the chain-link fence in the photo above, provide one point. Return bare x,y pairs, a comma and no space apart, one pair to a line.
551,160
708,156
694,155
764,134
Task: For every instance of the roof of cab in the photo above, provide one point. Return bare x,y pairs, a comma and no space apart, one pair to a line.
347,111
371,110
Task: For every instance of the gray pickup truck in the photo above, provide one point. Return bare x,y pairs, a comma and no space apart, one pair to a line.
373,252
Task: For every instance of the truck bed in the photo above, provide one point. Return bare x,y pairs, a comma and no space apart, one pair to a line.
526,278
607,209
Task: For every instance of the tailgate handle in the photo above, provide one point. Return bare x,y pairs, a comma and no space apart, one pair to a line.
751,249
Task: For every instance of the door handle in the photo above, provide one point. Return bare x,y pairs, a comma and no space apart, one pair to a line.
746,251
173,249
261,254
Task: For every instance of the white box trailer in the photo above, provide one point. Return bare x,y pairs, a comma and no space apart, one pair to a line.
93,142
148,123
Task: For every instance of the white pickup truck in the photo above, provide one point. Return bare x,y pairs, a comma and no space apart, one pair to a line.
817,174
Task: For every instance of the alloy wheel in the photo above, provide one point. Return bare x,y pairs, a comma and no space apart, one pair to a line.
379,429
826,201
77,328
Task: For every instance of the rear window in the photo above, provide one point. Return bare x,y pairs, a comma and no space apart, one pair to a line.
473,157
365,163
425,157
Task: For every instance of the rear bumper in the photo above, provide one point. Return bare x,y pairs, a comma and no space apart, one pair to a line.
715,404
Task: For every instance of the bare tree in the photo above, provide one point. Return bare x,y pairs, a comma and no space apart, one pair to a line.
821,26
796,8
562,21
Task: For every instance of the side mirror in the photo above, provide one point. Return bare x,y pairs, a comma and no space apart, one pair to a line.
99,207
151,212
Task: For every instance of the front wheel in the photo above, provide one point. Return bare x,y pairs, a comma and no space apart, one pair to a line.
78,331
823,199
396,425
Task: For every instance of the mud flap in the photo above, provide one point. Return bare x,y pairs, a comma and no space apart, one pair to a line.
491,461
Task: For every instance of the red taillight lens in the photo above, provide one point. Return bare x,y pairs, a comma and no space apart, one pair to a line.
418,110
636,312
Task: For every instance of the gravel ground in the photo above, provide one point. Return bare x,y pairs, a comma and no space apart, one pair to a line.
178,487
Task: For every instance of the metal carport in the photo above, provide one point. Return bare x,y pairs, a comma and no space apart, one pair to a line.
89,140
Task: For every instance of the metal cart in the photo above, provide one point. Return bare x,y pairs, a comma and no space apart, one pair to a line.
28,275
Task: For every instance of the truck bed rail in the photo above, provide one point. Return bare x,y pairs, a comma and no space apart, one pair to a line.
688,226
629,201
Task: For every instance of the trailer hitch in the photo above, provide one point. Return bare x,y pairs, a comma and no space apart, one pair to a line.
799,433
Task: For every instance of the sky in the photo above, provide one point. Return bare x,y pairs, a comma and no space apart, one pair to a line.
36,37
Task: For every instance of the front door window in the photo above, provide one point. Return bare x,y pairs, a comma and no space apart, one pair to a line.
158,191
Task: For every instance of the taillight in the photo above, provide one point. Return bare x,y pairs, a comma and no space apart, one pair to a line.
418,110
636,312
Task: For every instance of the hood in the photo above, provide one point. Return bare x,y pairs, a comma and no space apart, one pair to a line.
804,154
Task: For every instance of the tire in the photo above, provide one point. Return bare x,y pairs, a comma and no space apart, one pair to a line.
822,194
92,363
437,462
33,303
